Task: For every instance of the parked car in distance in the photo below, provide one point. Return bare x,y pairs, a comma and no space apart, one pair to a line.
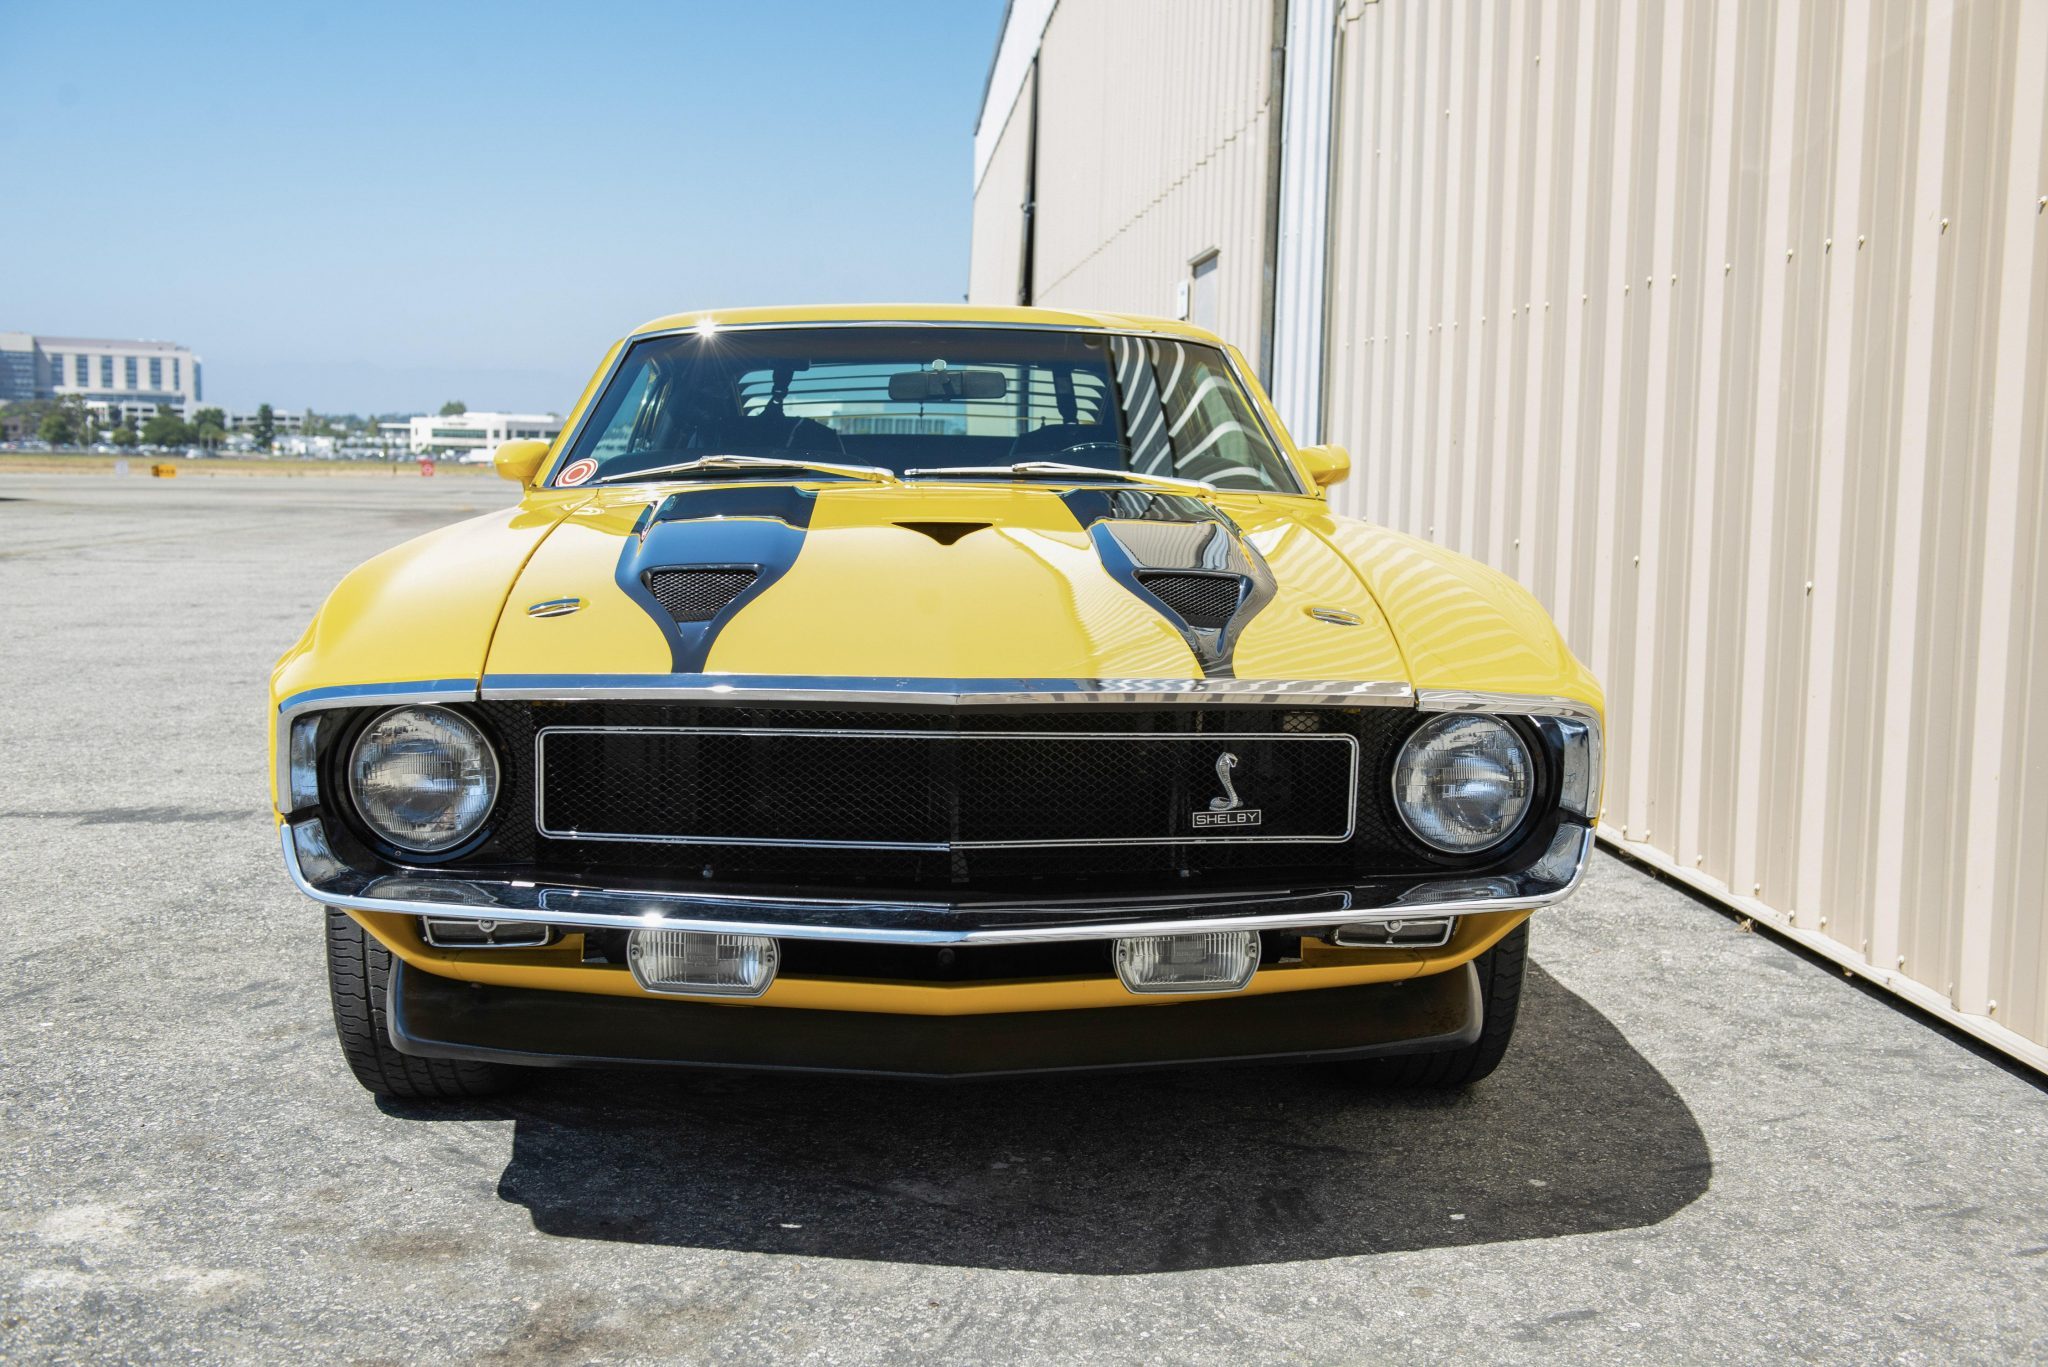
936,692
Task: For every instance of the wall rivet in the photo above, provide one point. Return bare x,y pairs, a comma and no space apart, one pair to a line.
1991,1008
1698,860
1756,887
1823,923
1788,253
1582,299
1809,586
1674,277
1647,282
1860,240
1902,961
1727,266
1944,225
1636,560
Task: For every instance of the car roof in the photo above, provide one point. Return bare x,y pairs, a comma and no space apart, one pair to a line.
928,313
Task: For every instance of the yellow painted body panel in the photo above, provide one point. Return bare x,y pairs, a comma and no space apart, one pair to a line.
557,969
1027,597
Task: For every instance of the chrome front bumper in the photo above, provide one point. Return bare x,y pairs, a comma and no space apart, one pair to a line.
455,896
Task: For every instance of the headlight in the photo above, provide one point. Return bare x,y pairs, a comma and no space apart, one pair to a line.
1462,783
423,778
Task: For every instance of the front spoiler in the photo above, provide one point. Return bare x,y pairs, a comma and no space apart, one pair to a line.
436,1017
449,894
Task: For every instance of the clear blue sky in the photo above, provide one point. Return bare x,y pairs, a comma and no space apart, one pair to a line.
381,206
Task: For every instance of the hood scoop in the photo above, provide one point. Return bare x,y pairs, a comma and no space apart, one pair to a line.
698,593
945,533
1205,601
1184,556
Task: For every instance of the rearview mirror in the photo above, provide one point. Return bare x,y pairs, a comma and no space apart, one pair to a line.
941,386
518,460
1324,465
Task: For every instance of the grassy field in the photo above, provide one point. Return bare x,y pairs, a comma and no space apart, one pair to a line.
87,463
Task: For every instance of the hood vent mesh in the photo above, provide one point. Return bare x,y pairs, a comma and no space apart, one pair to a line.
1203,601
698,595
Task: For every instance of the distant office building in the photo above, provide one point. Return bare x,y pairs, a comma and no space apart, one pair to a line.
281,423
479,431
121,379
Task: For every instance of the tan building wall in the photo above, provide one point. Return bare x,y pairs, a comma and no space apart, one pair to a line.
1725,328
1153,130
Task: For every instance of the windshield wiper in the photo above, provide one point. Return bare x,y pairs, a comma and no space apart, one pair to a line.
1056,469
718,463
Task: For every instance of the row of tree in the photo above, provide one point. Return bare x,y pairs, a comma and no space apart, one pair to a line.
66,421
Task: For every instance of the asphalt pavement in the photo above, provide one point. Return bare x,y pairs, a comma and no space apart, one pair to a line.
1702,1146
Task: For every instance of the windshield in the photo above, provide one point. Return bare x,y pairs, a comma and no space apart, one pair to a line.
925,398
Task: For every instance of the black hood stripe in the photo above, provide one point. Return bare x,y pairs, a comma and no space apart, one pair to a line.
759,528
1113,519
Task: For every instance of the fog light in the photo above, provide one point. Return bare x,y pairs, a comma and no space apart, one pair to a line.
1218,961
1407,932
699,963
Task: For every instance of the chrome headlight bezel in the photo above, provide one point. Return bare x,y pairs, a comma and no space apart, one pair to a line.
475,759
1506,744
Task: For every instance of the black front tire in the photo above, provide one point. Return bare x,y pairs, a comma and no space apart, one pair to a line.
358,981
1501,970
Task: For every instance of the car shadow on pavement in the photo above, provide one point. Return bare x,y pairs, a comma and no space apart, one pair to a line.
1109,1174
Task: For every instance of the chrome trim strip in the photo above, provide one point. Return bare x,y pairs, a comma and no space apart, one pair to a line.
631,339
540,822
927,692
317,874
1505,704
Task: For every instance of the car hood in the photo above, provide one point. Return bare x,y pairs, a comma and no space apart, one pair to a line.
947,582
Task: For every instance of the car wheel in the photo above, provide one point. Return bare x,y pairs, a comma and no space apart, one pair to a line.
358,979
1500,990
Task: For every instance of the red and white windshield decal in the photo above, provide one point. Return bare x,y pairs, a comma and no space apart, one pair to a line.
577,472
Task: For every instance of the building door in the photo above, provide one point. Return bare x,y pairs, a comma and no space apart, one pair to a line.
1202,292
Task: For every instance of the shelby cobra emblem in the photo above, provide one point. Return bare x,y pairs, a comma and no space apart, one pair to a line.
1229,809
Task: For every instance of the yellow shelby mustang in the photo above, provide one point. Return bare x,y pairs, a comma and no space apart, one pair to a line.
918,690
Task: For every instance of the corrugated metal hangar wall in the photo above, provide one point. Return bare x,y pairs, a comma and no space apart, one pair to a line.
1724,327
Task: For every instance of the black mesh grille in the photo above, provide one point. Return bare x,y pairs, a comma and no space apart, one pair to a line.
697,595
1201,600
943,789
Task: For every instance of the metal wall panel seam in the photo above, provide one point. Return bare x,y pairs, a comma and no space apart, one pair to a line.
1427,292
1575,302
1909,498
1456,227
1606,532
1386,88
1477,141
1825,572
2012,380
1746,862
1535,456
1500,299
1646,710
